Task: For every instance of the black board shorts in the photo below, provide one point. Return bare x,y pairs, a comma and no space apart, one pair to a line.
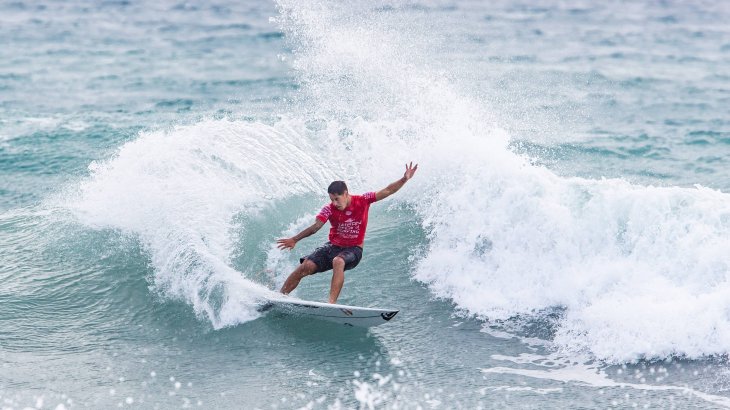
322,256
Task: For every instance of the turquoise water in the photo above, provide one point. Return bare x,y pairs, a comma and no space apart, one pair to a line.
564,243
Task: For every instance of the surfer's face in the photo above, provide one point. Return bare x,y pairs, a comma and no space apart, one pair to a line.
340,201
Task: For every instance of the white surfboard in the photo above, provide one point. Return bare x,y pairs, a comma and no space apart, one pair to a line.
343,314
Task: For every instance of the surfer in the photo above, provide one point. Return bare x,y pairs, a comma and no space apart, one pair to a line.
348,217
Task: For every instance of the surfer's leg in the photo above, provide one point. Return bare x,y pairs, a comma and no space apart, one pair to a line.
317,261
347,259
338,278
306,268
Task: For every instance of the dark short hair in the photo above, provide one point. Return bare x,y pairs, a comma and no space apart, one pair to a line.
337,188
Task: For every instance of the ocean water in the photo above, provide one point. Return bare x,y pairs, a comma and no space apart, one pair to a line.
564,243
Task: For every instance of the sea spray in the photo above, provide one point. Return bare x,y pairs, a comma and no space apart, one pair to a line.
179,190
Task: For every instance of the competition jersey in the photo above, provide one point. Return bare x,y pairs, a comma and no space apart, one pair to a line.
348,226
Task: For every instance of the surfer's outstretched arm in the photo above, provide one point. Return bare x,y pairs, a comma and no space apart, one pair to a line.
395,186
289,243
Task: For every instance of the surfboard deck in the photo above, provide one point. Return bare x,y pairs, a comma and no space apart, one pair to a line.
342,314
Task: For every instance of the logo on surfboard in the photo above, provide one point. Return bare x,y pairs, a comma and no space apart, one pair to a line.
388,315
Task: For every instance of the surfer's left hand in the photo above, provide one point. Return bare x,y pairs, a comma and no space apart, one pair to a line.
410,171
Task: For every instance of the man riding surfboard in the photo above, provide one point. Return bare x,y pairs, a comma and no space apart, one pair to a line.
348,217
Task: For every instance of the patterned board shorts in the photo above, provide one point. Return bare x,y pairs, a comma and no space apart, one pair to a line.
322,256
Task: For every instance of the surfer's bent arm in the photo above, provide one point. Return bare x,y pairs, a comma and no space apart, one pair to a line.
395,186
289,243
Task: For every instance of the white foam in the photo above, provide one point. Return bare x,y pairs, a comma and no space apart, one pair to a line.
179,190
559,369
640,270
483,391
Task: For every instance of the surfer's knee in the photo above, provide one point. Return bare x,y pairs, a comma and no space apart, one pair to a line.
338,262
307,267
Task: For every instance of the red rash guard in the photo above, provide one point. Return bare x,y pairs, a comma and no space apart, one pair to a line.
348,226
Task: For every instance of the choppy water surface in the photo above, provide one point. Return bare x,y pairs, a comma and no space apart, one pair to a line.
564,243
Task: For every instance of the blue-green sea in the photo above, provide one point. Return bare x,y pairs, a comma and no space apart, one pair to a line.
565,242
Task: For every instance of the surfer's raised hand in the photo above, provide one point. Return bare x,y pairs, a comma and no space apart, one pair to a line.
395,186
286,243
410,171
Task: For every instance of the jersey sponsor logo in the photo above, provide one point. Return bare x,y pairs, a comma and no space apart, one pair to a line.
349,229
